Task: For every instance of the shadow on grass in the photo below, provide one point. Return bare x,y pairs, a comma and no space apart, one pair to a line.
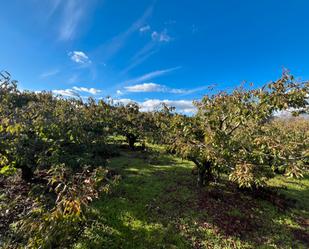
257,219
157,205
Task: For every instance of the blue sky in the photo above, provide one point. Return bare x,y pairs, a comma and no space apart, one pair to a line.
151,51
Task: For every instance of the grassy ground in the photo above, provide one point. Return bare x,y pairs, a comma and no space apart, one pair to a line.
157,205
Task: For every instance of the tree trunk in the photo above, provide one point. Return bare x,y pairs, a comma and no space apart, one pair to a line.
209,175
131,140
26,174
204,174
201,177
143,146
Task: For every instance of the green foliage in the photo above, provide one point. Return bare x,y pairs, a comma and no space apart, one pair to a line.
54,222
59,147
234,133
130,122
39,131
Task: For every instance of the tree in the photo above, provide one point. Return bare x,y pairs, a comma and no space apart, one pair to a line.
39,131
59,147
231,132
129,121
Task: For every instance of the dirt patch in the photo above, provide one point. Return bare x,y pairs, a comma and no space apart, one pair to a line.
234,212
14,201
231,212
302,236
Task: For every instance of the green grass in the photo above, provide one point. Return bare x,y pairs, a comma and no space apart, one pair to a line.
157,205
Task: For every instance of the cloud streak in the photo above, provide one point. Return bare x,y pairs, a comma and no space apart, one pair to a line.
152,47
117,43
144,28
49,73
143,54
72,13
53,7
151,75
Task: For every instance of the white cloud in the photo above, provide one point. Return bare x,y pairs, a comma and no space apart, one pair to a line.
153,87
144,28
119,92
145,87
288,113
74,91
79,57
182,106
123,101
87,90
161,36
66,93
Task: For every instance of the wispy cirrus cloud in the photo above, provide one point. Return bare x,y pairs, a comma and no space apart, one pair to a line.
53,6
67,15
49,73
114,45
140,56
151,48
151,75
73,79
73,12
145,28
